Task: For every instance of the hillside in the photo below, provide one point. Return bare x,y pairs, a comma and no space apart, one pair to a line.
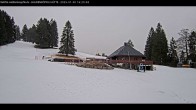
26,80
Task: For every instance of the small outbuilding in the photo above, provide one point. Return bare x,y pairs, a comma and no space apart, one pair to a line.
64,58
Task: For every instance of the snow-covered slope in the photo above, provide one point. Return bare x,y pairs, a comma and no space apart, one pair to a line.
26,80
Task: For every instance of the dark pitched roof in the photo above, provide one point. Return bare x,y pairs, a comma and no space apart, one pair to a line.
126,50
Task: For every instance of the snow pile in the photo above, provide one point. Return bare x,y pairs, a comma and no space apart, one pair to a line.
26,80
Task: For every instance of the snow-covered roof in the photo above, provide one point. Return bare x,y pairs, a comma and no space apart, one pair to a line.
85,55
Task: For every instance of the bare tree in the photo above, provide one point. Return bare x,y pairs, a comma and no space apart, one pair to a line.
184,33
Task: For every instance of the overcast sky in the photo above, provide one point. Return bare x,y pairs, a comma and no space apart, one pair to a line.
105,29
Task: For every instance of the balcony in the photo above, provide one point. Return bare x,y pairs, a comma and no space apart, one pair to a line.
145,62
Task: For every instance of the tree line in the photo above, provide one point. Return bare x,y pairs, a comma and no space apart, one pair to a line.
160,52
44,34
7,29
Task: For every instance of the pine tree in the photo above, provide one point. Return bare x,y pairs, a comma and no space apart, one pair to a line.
7,28
10,29
67,40
164,50
160,46
32,34
156,48
3,33
24,33
54,33
13,31
104,55
192,46
46,34
17,30
98,54
173,58
43,39
182,57
148,46
130,43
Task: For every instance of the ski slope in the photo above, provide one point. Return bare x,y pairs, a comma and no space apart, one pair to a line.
26,80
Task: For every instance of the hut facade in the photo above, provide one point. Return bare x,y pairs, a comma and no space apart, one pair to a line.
129,58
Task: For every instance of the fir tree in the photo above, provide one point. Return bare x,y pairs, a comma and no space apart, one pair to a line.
54,33
104,55
130,43
32,34
10,29
182,57
7,28
24,33
43,31
160,46
98,54
46,34
148,46
192,46
173,58
3,33
17,31
67,40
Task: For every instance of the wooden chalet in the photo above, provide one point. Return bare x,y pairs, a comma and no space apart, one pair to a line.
129,58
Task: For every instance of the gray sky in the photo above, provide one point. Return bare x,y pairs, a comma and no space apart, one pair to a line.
105,29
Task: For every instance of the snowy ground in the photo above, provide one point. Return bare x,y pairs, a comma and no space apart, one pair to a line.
26,80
